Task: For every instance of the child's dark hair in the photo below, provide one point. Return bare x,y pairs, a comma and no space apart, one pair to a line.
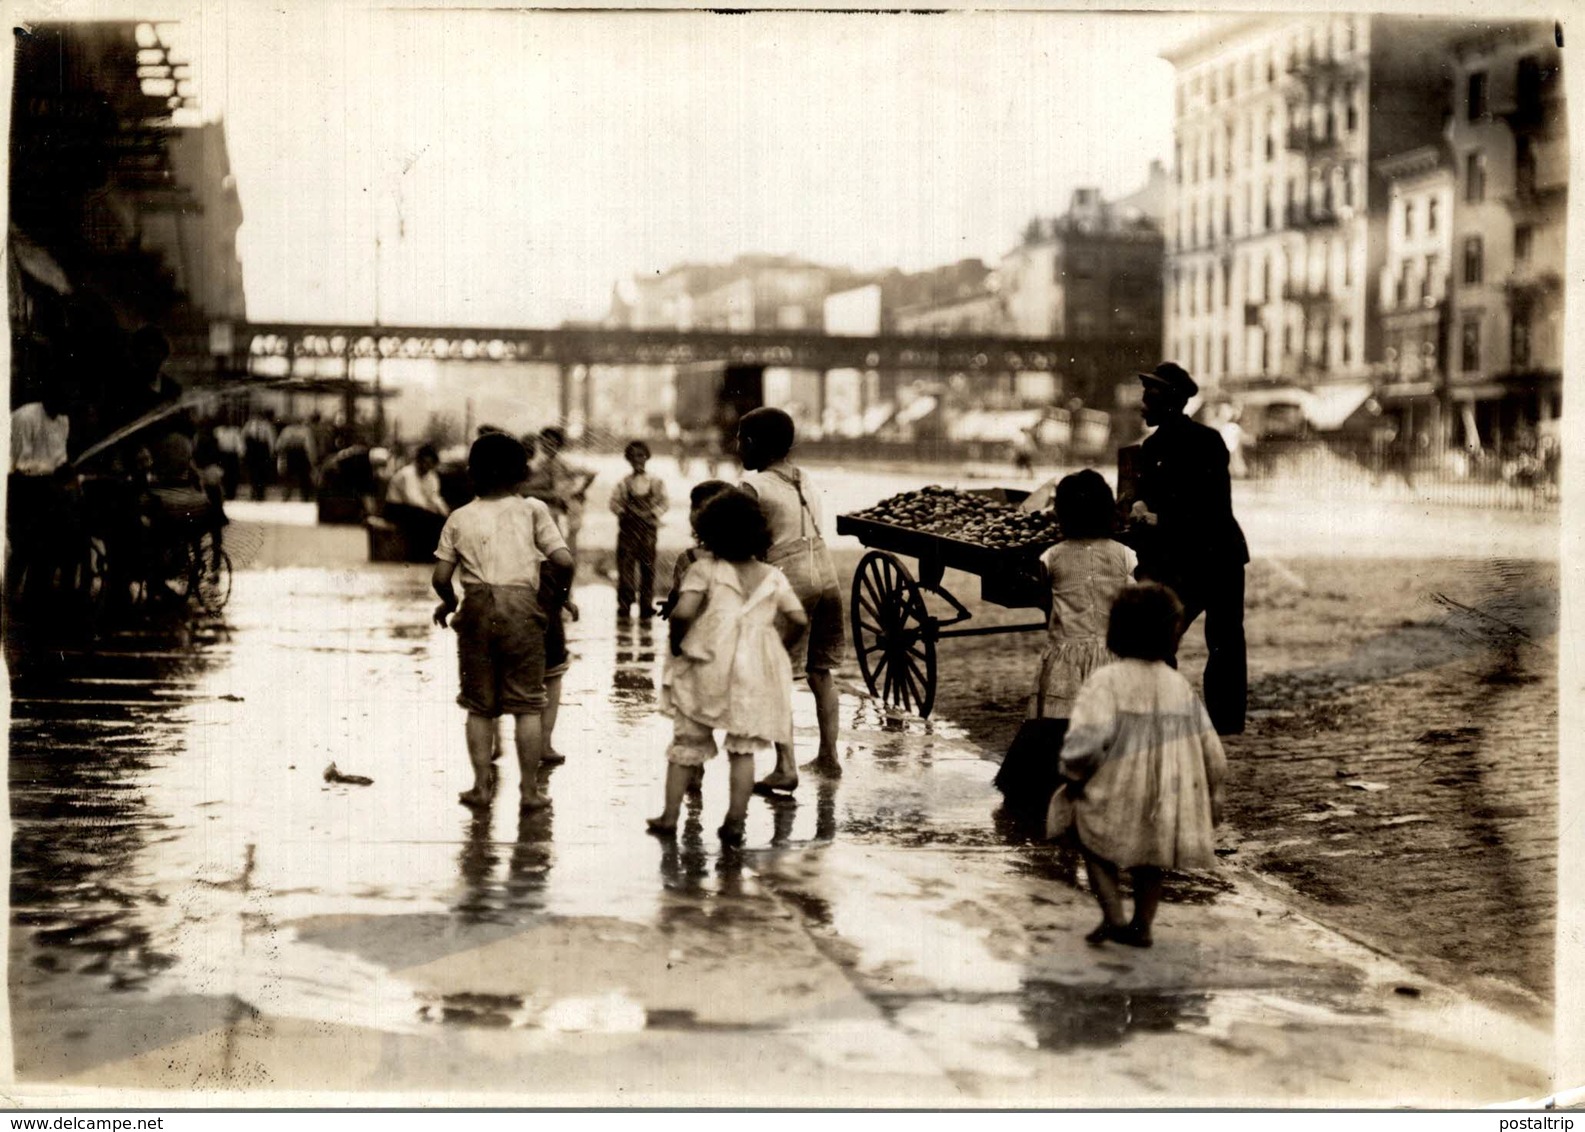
636,449
733,528
1086,507
497,462
1145,623
703,492
770,431
554,434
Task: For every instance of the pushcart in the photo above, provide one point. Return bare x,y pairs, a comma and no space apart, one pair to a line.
895,634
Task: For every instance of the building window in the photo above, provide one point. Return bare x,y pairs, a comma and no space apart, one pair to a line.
1469,345
1474,260
1475,178
1402,289
1523,237
1475,99
1430,215
1519,340
1265,280
1348,185
1524,162
1427,280
1271,69
1227,216
1348,349
1348,37
1267,208
1408,218
1226,354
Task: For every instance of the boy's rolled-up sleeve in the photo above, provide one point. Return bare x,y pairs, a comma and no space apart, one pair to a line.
446,548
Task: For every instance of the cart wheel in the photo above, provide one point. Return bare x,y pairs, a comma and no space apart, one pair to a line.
893,634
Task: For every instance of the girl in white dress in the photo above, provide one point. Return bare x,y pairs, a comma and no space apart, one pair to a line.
1144,766
729,671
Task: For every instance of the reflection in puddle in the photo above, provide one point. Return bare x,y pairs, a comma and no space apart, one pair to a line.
1067,1017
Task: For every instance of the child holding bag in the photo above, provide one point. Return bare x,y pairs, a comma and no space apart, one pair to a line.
1143,765
729,668
1086,571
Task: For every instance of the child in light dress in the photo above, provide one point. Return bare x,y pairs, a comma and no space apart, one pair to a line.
1086,571
729,669
1144,766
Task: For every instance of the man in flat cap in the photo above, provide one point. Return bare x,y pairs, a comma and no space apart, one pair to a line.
1187,538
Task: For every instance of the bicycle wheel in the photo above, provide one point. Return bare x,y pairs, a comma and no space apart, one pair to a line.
213,589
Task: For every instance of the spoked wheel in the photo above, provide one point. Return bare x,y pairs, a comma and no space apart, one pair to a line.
893,634
213,577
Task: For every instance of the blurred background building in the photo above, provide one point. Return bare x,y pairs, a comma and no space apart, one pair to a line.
1366,226
124,213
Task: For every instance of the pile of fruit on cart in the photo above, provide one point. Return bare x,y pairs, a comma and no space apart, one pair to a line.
966,517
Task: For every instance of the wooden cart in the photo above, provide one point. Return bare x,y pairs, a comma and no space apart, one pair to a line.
894,634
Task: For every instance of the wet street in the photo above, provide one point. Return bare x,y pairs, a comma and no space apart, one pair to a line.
194,905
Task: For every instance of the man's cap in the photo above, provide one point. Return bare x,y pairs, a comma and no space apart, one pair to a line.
1172,377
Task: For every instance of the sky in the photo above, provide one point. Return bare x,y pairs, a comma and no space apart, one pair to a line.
499,168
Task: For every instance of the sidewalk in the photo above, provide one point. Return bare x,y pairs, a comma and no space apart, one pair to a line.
879,941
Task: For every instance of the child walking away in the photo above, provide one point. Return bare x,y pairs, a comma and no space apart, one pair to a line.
792,507
639,502
500,544
1145,766
1086,571
701,494
729,668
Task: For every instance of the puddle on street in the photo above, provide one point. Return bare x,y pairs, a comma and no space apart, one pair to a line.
173,820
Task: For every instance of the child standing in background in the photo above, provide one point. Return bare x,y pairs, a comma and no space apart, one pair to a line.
499,544
639,502
701,494
730,670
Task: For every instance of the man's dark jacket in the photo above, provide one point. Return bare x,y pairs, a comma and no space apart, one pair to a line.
1183,479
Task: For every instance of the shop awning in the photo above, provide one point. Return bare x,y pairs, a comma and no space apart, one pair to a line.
1328,406
916,410
989,424
38,263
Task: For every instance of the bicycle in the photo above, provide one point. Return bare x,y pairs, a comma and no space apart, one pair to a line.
195,570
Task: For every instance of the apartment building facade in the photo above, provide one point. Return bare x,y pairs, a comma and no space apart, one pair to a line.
1276,226
1510,163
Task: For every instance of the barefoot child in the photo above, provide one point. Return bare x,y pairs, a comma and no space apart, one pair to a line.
499,543
792,507
729,670
639,503
1145,766
1086,572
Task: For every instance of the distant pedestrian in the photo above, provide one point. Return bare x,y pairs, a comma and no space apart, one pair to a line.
639,503
560,485
729,669
258,440
500,544
414,504
231,448
296,459
1085,571
1144,767
701,494
793,509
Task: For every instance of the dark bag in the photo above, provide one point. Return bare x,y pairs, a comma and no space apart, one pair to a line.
1030,771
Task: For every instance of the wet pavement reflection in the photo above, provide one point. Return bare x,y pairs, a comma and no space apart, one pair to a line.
179,853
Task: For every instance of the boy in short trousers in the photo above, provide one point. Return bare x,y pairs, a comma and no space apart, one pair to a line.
500,544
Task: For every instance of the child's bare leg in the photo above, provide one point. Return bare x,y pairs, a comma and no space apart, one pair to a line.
548,719
678,777
827,706
530,741
1147,898
481,732
742,787
1108,893
785,776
